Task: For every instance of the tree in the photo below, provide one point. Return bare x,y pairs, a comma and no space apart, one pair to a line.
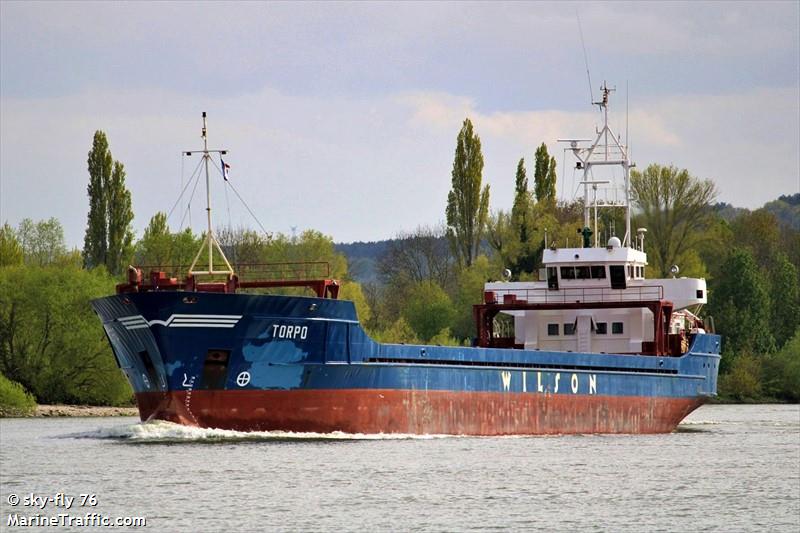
10,249
108,235
469,291
782,371
428,310
740,304
422,255
675,208
785,294
467,202
503,239
521,210
42,242
759,231
154,249
544,176
50,340
100,163
120,216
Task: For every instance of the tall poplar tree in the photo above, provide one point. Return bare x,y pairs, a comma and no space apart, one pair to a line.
521,210
108,239
95,242
120,216
467,202
544,175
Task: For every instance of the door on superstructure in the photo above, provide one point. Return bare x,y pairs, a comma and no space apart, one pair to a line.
617,275
552,278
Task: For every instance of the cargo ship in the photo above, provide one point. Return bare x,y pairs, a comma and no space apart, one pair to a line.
593,347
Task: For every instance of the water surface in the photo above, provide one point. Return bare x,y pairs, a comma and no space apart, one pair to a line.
726,468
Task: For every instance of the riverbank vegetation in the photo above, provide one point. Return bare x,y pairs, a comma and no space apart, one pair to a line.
419,286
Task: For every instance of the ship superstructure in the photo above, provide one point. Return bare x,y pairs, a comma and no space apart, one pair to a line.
597,298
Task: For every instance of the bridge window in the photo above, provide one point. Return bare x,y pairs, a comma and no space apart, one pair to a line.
617,274
616,328
582,272
569,328
601,328
630,271
552,330
598,272
567,273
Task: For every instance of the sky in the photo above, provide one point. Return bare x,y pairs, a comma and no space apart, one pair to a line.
343,117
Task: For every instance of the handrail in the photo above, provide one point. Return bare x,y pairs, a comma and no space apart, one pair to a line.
582,294
287,270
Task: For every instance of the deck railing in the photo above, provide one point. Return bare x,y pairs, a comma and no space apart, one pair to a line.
575,295
299,270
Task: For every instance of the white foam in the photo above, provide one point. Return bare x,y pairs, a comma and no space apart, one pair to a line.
162,431
700,423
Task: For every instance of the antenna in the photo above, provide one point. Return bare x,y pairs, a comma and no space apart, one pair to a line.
585,56
627,146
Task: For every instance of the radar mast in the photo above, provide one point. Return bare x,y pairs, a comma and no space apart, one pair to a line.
606,150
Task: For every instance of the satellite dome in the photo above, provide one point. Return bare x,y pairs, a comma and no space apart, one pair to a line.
614,242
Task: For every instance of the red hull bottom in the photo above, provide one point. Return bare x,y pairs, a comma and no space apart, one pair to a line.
416,412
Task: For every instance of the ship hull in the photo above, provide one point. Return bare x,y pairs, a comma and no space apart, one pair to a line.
262,363
416,412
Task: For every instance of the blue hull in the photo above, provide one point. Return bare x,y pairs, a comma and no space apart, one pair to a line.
225,350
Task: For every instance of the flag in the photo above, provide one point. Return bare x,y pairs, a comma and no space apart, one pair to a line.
225,168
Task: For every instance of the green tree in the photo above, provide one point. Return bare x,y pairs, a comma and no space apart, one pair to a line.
154,249
785,292
759,231
469,291
467,202
503,239
544,175
351,290
782,371
675,208
398,332
50,340
10,249
14,399
120,216
521,210
428,310
42,242
744,381
108,235
160,249
740,303
101,164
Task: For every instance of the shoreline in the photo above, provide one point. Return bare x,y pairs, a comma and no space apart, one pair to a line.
47,411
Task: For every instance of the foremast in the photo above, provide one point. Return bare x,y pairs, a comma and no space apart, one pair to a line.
210,242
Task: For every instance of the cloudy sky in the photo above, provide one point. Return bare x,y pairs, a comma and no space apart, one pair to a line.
343,117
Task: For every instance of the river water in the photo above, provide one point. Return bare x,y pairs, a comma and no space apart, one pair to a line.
727,468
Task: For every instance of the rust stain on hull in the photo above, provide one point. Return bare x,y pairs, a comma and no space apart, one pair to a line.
416,412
